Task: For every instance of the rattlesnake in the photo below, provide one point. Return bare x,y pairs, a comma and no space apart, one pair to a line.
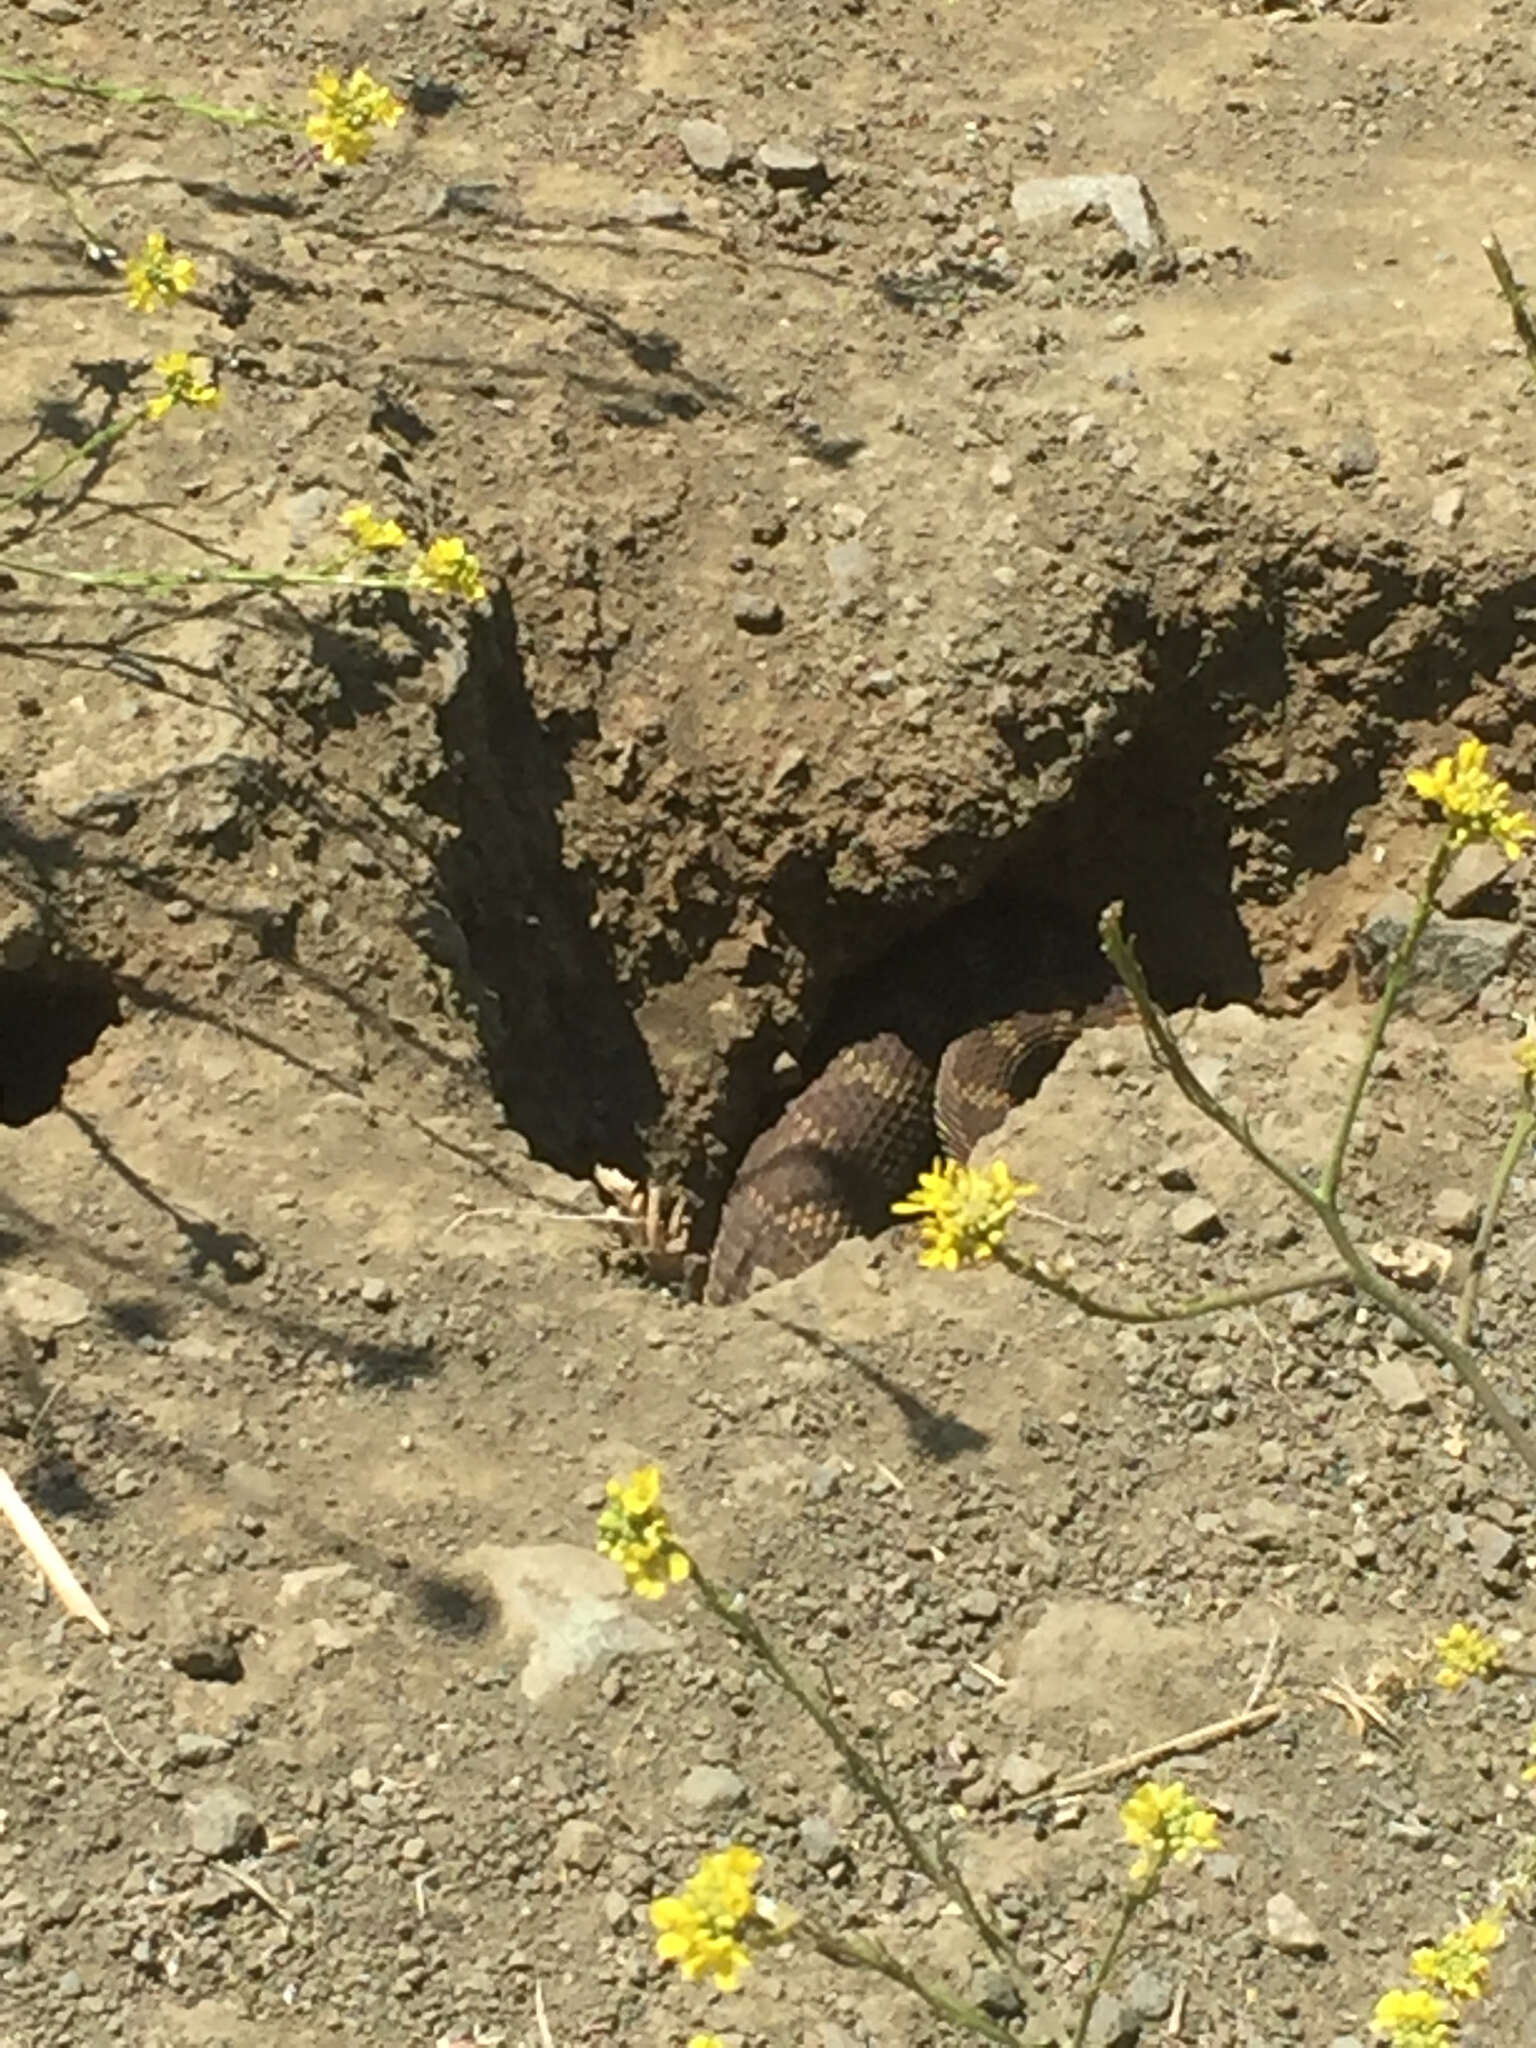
855,1140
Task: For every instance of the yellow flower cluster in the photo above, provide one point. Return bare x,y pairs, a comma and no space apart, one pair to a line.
444,565
1413,2019
1455,1970
1525,1050
1471,801
701,1928
964,1211
634,1531
1168,1825
1459,1964
1465,1652
350,110
184,385
155,277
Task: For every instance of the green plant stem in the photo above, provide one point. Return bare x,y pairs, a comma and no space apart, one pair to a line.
1520,1135
1176,1312
1363,1275
102,438
866,1776
1381,1016
857,1952
1131,1905
1514,297
56,186
148,96
168,580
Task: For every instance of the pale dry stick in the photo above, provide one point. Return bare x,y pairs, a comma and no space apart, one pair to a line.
257,1890
1266,1675
540,2016
1514,296
1519,1137
1176,2017
1196,1738
45,1554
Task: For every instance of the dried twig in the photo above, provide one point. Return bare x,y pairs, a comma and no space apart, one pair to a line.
1196,1738
1514,297
44,1553
541,2018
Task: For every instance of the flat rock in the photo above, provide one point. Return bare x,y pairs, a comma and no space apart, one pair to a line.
222,1823
42,1306
1456,959
564,1606
707,146
1126,199
1197,1221
1289,1929
791,163
1399,1386
712,1788
1456,1212
658,210
1474,873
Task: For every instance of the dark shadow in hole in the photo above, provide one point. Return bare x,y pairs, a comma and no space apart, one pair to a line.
565,1054
49,1018
57,1490
453,1607
134,1319
939,1437
395,1366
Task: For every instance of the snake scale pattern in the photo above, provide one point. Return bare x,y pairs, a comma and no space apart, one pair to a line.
855,1140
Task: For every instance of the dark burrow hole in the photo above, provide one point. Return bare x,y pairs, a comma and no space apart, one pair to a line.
49,1018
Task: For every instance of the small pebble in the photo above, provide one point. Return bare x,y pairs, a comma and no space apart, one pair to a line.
755,613
1197,1221
1289,1929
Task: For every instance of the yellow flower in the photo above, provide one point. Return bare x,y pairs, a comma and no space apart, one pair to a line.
1525,1049
634,1531
1413,2019
350,110
1465,1652
964,1211
183,385
369,535
701,1928
1472,803
155,277
448,567
1459,1964
705,2041
1168,1825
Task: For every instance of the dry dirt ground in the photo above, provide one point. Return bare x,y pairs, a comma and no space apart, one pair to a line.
875,559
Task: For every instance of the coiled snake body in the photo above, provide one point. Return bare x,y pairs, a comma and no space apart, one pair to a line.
855,1140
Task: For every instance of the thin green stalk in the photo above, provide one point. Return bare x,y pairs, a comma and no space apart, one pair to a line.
1179,1311
56,186
1381,1016
1131,1905
1514,297
1519,1137
865,1775
856,1952
102,438
168,580
148,96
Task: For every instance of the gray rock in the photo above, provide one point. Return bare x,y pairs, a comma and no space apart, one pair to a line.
1113,2024
223,1823
755,613
1355,456
826,1479
1447,506
193,1748
791,163
376,1293
1149,1995
1175,1175
850,569
820,1842
707,146
1129,204
1456,957
712,1788
566,1606
1289,1929
980,1604
1475,871
995,1992
581,1845
1399,1386
658,210
1025,1776
1493,1549
1455,1212
1197,1221
13,1942
71,1984
208,1652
